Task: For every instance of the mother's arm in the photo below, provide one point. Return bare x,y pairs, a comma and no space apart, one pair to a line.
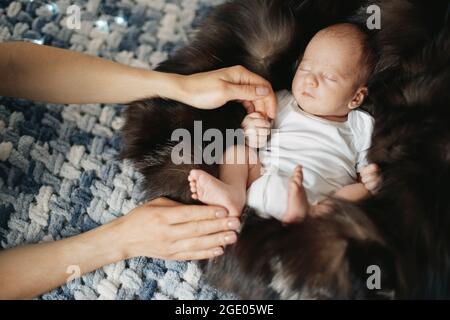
44,73
159,229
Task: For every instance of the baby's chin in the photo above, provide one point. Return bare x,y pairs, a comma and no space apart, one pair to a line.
315,106
314,110
306,105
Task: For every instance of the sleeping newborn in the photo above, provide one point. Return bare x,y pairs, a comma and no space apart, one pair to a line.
319,139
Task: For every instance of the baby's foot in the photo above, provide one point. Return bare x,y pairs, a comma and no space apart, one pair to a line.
298,205
210,190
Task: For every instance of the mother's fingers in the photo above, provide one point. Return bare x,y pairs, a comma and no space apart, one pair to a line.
205,242
266,104
249,107
188,213
201,228
197,255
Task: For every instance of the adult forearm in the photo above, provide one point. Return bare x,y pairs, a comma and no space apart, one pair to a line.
49,74
31,270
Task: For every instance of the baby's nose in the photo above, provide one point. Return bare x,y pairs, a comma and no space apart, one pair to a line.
311,81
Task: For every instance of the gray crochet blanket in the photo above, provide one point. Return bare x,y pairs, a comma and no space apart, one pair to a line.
58,176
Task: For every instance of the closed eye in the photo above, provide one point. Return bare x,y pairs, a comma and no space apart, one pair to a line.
330,77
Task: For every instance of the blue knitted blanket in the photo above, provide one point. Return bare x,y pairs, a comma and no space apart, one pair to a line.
58,173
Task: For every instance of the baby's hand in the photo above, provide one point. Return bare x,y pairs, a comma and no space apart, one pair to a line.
257,130
370,177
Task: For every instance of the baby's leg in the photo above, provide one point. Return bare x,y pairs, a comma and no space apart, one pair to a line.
240,168
298,206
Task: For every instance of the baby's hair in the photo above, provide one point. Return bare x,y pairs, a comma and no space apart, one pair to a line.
361,41
368,57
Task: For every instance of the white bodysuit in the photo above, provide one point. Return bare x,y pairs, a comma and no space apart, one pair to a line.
331,153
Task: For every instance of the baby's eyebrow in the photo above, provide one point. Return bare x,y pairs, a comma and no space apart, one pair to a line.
331,68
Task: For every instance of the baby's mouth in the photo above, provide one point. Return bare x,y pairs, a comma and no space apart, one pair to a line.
307,94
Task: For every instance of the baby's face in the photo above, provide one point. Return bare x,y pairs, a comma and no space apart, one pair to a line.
327,81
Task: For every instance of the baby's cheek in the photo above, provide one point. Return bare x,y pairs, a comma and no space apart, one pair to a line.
297,87
296,83
331,93
297,95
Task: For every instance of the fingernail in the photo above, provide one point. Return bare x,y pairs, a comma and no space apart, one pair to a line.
218,252
234,224
230,238
262,91
221,214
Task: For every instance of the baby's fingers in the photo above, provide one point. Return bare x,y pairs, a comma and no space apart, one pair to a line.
373,186
256,123
370,169
255,115
368,178
372,182
257,131
256,141
257,137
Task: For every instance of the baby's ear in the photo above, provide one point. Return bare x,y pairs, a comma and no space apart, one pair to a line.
358,98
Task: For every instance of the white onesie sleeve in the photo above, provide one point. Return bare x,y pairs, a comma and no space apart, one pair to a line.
362,127
284,98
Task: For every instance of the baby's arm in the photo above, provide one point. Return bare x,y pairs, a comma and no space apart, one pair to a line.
257,130
370,181
353,192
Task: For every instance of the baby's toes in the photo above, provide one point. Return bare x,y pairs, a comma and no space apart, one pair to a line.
298,175
193,187
296,179
195,174
293,185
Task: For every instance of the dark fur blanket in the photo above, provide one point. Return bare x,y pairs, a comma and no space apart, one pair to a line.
403,229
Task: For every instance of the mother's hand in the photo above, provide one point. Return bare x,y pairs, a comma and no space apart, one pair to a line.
209,90
168,230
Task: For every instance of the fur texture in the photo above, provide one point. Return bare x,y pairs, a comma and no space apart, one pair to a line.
403,229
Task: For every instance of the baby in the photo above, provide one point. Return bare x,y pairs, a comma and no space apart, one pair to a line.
320,142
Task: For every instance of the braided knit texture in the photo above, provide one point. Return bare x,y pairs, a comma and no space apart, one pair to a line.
59,175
